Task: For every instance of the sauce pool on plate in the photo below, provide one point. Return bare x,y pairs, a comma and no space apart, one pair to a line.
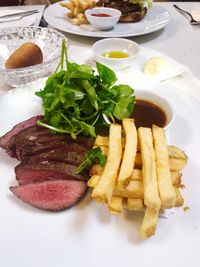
147,113
115,54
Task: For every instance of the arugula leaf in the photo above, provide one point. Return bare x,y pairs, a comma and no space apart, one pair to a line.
92,156
124,107
85,127
75,99
106,75
122,90
91,93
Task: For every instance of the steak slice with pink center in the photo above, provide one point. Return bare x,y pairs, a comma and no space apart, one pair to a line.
51,195
42,171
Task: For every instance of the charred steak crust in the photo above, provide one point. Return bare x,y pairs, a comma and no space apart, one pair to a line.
5,139
37,139
45,147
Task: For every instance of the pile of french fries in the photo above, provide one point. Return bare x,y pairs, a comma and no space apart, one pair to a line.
142,172
77,9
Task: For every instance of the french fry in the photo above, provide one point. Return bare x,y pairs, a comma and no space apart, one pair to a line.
177,164
76,21
136,174
129,155
138,161
77,9
149,222
91,3
97,170
135,204
70,15
103,141
133,190
179,198
175,152
151,197
176,178
104,189
93,181
115,206
84,4
75,2
140,189
65,4
165,187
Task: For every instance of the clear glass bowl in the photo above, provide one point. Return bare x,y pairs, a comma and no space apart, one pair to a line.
49,41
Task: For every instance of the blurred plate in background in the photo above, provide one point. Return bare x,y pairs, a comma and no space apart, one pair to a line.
156,18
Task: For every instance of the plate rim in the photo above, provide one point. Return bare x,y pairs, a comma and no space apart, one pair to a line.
99,34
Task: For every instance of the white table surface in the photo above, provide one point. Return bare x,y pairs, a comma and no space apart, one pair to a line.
37,16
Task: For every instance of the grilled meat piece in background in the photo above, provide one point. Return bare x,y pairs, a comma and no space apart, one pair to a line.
132,10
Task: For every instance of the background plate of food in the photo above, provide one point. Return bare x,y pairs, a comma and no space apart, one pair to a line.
69,17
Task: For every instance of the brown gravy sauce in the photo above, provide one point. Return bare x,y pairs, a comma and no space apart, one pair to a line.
147,113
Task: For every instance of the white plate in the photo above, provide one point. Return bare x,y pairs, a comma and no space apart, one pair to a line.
135,70
87,235
15,21
156,18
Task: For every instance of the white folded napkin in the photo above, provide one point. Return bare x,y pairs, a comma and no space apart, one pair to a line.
187,83
135,70
173,68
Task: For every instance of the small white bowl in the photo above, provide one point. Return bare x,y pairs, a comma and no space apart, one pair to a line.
116,44
103,23
164,104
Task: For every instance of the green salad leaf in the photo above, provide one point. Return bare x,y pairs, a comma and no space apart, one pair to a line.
75,98
92,156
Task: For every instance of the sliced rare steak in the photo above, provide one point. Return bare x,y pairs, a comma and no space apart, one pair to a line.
69,157
51,195
24,137
30,134
5,139
40,135
45,147
38,172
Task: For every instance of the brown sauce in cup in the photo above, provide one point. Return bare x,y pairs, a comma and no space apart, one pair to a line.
147,113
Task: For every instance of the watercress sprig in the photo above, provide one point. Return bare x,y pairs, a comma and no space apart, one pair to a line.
75,98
